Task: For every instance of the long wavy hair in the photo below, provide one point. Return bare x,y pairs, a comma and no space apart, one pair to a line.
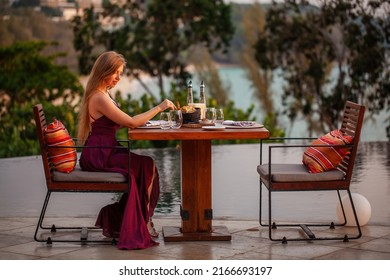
105,65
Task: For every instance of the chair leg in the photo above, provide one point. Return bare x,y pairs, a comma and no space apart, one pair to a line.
53,228
41,216
270,226
355,215
305,227
261,205
342,209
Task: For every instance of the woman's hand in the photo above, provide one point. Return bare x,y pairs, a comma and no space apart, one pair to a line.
140,119
166,104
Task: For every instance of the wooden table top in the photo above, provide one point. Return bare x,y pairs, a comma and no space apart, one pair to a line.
185,133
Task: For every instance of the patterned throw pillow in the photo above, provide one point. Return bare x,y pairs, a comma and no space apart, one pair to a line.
320,159
63,159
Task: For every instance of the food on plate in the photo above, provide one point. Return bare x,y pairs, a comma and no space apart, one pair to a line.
188,109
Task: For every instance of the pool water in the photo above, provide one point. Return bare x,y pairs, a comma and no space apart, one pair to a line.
236,185
235,193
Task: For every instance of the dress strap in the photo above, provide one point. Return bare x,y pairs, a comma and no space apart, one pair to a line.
92,117
113,100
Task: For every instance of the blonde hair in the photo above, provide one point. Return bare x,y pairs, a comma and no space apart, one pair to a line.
105,65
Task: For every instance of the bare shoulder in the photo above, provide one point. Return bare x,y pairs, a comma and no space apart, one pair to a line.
99,101
97,104
98,97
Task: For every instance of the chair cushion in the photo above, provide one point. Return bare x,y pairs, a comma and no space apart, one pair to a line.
296,173
320,159
86,176
63,159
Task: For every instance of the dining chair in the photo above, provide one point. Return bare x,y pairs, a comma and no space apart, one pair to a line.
71,181
276,177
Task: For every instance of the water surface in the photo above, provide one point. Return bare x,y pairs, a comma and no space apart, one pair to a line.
235,186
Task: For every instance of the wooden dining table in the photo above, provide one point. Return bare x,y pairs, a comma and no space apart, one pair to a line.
196,177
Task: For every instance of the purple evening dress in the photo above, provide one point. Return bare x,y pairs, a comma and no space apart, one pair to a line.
130,215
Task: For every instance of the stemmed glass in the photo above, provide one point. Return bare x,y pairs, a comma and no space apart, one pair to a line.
176,119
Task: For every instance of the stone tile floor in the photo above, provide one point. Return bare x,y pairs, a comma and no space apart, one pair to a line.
249,242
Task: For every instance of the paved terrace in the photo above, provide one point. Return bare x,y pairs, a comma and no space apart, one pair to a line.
249,242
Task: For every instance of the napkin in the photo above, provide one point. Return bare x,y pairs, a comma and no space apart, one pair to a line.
239,123
151,123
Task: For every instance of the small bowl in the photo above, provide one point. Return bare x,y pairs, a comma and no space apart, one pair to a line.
191,117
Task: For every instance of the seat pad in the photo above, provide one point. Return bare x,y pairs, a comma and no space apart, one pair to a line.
297,173
78,175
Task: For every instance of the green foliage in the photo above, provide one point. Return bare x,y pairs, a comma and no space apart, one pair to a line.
28,24
156,36
328,55
270,122
18,135
28,78
26,75
26,3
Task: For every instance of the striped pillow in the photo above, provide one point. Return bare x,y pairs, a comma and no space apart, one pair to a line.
63,159
320,159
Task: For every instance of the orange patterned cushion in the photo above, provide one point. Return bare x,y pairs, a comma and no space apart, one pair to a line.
320,159
63,159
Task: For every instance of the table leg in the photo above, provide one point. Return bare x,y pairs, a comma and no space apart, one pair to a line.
196,186
196,212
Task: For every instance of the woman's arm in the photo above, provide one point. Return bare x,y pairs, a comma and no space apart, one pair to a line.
104,105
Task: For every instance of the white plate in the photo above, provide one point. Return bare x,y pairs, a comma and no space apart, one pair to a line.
216,127
245,127
151,124
149,127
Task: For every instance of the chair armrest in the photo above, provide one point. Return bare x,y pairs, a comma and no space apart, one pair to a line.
281,141
75,140
274,139
119,147
271,147
125,141
291,146
85,147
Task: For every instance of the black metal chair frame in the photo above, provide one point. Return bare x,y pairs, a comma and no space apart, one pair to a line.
340,185
72,186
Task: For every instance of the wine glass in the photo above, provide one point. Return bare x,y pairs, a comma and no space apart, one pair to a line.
165,120
176,119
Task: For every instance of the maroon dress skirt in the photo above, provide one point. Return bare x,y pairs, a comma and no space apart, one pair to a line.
130,215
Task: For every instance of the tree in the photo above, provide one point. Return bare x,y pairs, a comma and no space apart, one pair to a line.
26,3
328,55
207,71
24,24
155,36
253,22
26,75
28,78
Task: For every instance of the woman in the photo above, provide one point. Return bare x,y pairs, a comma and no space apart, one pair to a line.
99,118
